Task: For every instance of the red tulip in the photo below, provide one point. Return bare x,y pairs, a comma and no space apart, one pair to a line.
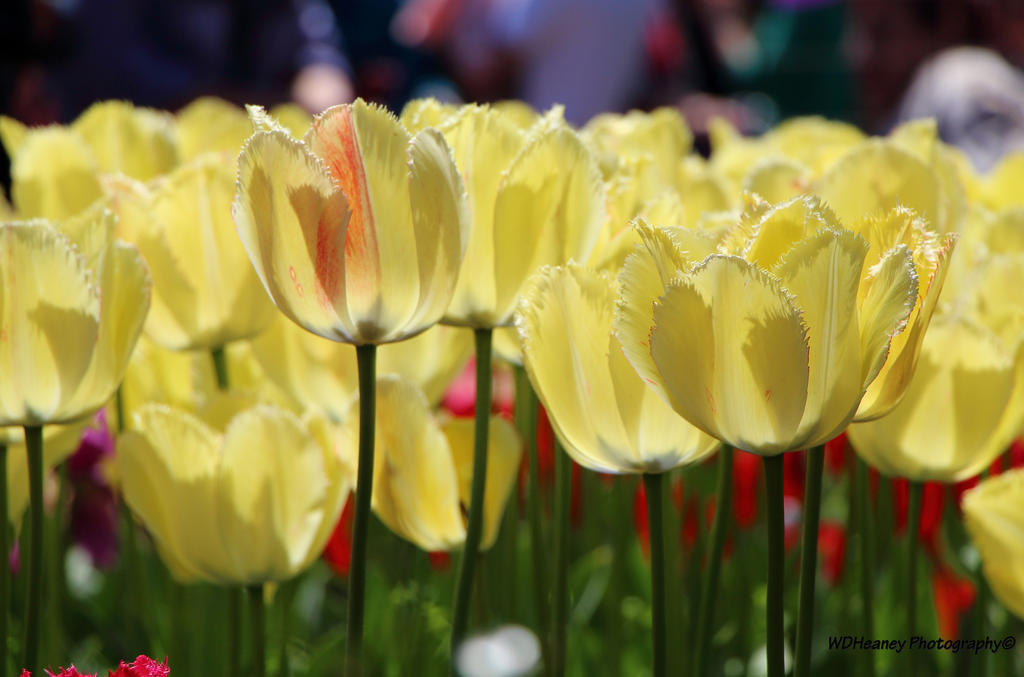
746,476
338,552
953,596
832,550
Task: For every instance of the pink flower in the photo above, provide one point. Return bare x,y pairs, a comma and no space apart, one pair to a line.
64,672
144,666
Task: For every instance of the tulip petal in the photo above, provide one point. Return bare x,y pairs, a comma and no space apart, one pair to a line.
604,414
211,125
783,226
963,407
1006,232
138,142
643,278
12,134
823,272
549,209
777,179
364,147
319,374
431,360
440,222
887,387
419,114
53,174
994,515
340,474
293,229
123,308
484,143
272,493
504,451
889,292
415,487
565,322
168,467
876,177
49,322
208,294
732,350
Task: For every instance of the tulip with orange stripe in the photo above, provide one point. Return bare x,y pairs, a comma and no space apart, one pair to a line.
357,232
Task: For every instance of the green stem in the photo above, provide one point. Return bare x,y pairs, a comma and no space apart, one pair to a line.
653,489
808,559
981,604
235,600
474,527
526,399
560,591
183,618
915,490
5,553
366,359
220,367
709,591
34,449
56,593
119,409
285,598
257,623
506,553
862,488
776,561
617,505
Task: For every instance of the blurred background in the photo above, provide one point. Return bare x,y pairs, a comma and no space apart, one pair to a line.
755,62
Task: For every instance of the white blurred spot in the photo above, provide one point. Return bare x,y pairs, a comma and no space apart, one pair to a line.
84,580
507,652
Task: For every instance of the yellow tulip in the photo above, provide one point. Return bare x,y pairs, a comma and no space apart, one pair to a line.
811,142
137,142
921,137
423,468
211,125
875,177
999,189
53,170
292,117
962,409
358,231
900,228
661,137
994,513
535,197
71,310
606,417
777,179
321,375
419,114
773,350
966,402
205,291
252,503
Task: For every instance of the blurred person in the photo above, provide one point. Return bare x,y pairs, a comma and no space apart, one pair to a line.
976,98
957,61
588,55
384,69
164,53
